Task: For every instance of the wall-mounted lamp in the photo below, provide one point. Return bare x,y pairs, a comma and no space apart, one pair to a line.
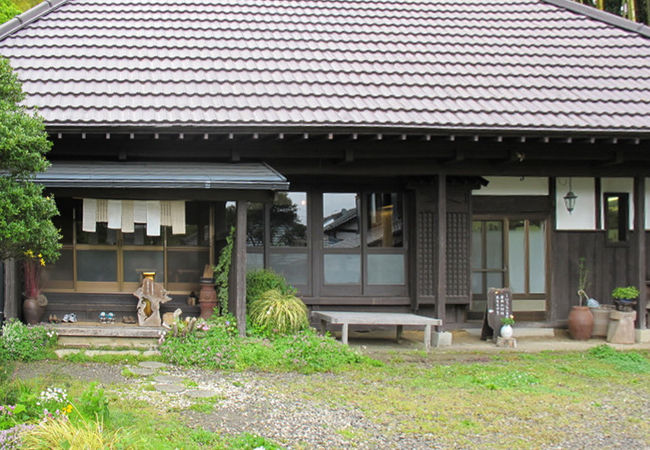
570,199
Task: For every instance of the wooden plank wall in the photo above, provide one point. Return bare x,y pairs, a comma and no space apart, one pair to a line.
609,266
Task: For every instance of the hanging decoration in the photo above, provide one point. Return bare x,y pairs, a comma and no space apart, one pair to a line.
124,214
570,199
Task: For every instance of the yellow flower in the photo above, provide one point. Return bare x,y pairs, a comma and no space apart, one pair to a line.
42,262
40,255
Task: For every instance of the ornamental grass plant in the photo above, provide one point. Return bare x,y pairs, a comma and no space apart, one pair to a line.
277,313
62,432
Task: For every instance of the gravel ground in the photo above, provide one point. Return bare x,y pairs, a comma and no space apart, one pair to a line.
243,403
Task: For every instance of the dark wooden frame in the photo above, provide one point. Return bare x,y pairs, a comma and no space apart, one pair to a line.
623,215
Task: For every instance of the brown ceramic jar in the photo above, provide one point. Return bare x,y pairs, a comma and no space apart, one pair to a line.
581,323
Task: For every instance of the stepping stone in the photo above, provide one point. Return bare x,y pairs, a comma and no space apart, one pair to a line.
142,371
169,388
112,352
201,393
152,364
168,379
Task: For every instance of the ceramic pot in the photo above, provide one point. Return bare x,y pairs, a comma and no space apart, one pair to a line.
506,331
581,323
32,311
207,298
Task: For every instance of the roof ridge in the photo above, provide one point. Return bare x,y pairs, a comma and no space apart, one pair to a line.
602,16
29,16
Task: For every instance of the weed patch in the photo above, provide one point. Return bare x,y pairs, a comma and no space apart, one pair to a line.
219,347
26,343
632,362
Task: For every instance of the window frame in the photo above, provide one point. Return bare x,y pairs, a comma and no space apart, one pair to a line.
363,289
119,247
623,218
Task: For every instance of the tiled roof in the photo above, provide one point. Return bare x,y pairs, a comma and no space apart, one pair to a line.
156,175
425,64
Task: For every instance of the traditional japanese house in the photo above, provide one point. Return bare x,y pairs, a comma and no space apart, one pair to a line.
383,155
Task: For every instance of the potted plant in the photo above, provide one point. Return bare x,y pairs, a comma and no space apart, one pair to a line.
625,293
625,297
581,320
506,326
35,302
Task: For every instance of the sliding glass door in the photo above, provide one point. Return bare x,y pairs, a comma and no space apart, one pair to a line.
511,252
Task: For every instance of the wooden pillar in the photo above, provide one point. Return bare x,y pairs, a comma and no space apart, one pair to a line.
239,264
441,248
11,290
640,253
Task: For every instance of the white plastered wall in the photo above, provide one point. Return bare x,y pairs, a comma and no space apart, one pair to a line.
514,186
583,216
615,185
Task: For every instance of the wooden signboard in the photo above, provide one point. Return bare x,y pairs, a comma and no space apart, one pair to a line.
499,305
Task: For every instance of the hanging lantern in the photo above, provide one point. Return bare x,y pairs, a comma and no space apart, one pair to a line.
570,199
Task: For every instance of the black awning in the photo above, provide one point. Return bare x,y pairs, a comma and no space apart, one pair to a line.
162,175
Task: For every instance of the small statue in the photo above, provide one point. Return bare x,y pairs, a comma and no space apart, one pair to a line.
192,299
150,295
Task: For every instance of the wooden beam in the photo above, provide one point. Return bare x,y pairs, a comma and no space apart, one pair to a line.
240,267
441,248
460,157
618,159
640,254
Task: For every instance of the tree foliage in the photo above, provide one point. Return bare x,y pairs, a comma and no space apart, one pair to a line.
8,10
25,213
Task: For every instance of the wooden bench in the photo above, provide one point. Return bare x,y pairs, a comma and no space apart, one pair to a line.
398,320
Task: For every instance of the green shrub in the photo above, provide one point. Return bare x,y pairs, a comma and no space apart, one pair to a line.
275,312
260,281
26,343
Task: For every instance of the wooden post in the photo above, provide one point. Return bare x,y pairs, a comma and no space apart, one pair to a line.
11,290
640,254
240,267
441,248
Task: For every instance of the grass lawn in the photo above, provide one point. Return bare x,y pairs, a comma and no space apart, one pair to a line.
511,400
